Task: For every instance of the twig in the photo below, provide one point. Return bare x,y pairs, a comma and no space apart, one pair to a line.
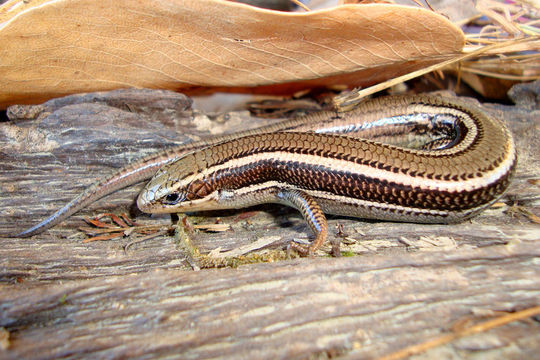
478,328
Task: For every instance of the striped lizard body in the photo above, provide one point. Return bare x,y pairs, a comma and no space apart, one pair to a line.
443,161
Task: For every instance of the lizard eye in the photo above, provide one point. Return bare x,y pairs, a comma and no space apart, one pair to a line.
172,198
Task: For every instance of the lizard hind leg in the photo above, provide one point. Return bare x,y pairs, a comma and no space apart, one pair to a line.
312,213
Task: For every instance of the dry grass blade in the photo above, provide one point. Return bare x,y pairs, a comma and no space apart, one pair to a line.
508,22
300,4
517,210
465,331
504,49
346,101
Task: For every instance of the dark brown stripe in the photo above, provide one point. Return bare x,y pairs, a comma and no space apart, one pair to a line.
309,177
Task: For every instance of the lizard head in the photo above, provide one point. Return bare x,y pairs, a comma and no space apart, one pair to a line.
179,186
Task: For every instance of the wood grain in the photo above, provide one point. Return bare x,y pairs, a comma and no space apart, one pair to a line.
360,307
405,284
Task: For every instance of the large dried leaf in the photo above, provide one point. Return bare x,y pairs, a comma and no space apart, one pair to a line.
56,47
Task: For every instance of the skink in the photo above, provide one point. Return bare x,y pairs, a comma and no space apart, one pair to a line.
405,158
463,168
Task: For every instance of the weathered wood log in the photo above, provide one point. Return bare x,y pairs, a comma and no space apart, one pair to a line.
56,291
363,307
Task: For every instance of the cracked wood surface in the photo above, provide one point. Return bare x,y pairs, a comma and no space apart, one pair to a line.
407,283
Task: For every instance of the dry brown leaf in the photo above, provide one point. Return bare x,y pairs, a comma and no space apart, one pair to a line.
56,47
